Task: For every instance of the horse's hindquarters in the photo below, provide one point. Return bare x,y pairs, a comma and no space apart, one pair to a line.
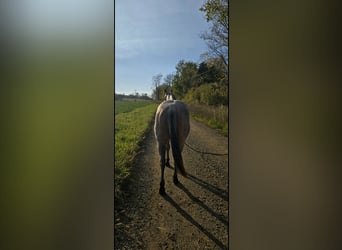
172,124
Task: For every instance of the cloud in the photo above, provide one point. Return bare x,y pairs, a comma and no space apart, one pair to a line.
157,46
128,48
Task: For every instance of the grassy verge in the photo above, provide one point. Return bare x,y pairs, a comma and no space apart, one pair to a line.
214,117
130,129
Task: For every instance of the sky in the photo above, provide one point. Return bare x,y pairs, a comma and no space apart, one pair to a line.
151,37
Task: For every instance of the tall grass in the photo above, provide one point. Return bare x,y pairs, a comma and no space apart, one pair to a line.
214,116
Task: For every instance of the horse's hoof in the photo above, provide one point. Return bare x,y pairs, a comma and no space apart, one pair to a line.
161,190
175,180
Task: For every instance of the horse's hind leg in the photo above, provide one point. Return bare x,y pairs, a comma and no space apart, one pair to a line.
161,149
175,178
167,154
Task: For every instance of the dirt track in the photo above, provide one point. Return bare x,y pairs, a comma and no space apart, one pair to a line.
193,214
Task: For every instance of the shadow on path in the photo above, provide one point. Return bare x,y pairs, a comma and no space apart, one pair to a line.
215,190
202,204
193,222
218,191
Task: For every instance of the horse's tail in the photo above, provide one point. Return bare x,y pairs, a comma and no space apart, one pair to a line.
176,151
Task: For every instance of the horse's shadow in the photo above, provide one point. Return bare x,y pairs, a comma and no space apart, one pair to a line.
202,204
215,190
189,218
221,193
218,191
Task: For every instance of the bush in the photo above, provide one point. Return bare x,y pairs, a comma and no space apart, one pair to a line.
209,94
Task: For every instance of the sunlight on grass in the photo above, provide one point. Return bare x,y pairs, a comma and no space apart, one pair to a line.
214,117
129,132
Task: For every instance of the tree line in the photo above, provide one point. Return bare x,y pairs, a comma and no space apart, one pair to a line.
206,82
135,96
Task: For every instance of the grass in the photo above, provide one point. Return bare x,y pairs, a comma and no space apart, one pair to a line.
130,128
214,117
127,106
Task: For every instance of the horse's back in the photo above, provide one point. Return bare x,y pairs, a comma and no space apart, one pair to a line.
180,108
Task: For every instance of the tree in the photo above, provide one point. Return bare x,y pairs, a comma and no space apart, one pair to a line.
210,71
155,84
216,12
159,93
168,80
185,78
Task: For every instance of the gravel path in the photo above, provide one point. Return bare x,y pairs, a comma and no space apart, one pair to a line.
193,214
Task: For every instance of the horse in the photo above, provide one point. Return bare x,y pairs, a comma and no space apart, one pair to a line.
172,123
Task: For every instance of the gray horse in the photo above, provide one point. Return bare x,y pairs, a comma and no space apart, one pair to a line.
171,124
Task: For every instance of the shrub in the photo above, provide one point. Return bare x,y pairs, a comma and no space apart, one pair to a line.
209,94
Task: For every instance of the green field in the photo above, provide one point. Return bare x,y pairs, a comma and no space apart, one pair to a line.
132,121
127,106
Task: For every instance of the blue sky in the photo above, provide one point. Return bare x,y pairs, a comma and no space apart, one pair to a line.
151,36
